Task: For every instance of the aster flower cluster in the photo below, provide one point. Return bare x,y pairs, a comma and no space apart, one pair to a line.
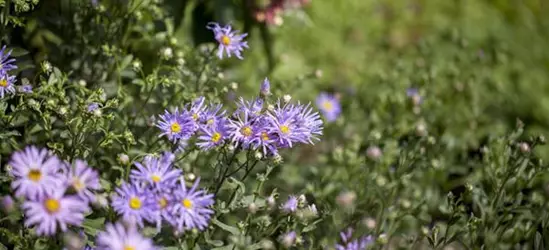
6,81
157,193
56,194
253,125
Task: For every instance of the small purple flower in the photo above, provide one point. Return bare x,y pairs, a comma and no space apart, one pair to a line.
162,207
241,130
265,89
176,126
132,202
53,211
156,172
357,244
288,239
283,122
310,121
263,138
290,205
212,115
93,107
118,237
6,63
7,204
35,172
413,93
191,208
6,84
26,88
83,179
212,136
329,106
230,41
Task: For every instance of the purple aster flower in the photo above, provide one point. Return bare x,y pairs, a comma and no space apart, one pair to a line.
329,106
357,244
156,172
264,139
35,172
250,108
283,122
7,204
6,63
83,179
191,208
310,122
93,107
213,136
118,237
6,84
241,130
197,109
53,211
229,41
162,207
265,89
26,88
176,126
212,115
132,202
290,205
288,239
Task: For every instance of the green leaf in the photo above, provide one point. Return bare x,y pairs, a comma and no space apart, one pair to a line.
91,226
17,52
230,229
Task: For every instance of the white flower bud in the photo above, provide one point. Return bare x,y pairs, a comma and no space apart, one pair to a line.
167,53
421,130
524,147
287,98
373,152
252,208
136,64
97,112
82,83
370,223
190,177
270,107
271,202
63,110
124,159
181,61
346,199
234,85
258,155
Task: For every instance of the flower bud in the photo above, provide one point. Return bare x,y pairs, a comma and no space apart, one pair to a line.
258,155
252,208
124,159
73,241
82,83
524,147
370,223
190,177
265,89
346,199
287,98
136,64
373,152
7,203
234,85
167,53
288,239
271,202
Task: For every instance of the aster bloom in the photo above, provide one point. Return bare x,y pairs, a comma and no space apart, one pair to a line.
26,88
6,84
356,244
191,207
162,207
265,89
329,106
212,114
93,107
156,172
249,108
6,63
310,122
290,205
53,211
241,130
35,172
118,237
230,41
176,126
213,136
283,122
264,139
133,203
197,109
83,179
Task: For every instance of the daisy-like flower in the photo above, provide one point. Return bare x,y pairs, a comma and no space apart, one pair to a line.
212,115
35,172
176,126
197,108
118,237
290,205
329,106
6,63
191,207
83,179
54,211
132,202
230,41
264,138
249,108
6,84
283,122
213,136
156,172
310,122
162,207
241,130
356,244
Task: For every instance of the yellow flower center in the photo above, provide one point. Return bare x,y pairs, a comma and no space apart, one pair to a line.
284,129
52,205
187,203
135,203
176,128
216,137
195,116
327,105
210,121
155,178
34,175
3,83
129,248
77,184
264,136
225,40
163,202
246,131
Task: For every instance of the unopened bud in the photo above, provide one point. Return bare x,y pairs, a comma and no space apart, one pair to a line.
190,177
287,98
524,147
421,130
271,202
373,152
252,208
234,85
370,223
258,155
346,199
7,203
82,83
124,159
